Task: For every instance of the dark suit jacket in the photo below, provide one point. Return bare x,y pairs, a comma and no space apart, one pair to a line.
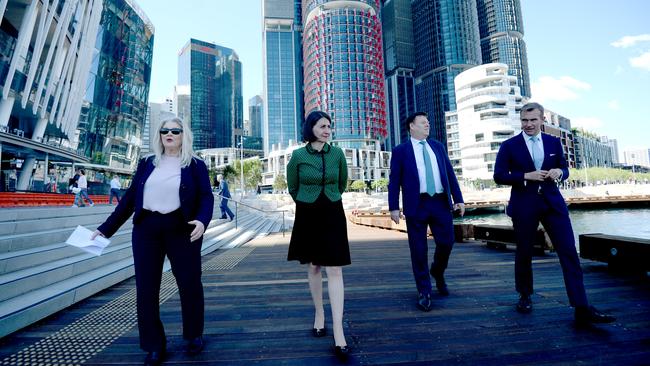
514,160
195,193
404,174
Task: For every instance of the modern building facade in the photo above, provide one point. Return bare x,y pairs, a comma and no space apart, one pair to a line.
590,151
447,42
255,116
560,127
157,113
399,66
75,83
111,124
283,91
502,38
488,102
211,77
344,68
637,157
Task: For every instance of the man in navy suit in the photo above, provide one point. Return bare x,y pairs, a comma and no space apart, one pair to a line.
430,192
532,163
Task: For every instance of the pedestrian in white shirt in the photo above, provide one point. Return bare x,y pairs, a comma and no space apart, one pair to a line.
115,190
82,183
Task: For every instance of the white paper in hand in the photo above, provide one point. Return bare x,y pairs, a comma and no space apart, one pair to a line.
80,238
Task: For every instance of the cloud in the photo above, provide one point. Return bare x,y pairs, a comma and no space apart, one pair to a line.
587,123
559,89
641,62
629,41
614,105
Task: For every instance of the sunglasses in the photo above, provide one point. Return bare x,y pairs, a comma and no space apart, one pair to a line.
174,131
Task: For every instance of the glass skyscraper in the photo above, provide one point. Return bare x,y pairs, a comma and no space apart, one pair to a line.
344,68
399,63
111,123
502,38
255,116
213,76
283,107
446,39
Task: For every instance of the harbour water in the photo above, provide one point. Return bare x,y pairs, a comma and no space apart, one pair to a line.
632,222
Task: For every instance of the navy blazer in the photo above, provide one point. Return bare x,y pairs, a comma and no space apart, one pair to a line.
404,174
197,200
514,160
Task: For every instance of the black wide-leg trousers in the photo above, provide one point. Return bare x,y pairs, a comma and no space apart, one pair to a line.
155,236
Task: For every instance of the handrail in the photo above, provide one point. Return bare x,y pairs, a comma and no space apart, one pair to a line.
237,203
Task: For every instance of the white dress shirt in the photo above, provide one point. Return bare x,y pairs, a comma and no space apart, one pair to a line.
422,173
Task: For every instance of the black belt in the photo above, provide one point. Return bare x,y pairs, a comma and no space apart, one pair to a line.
437,195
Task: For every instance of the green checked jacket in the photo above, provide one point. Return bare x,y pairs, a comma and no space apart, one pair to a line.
309,172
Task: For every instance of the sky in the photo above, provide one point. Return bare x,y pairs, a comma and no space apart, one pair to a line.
589,60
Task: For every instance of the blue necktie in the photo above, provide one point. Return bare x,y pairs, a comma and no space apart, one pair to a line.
538,156
431,184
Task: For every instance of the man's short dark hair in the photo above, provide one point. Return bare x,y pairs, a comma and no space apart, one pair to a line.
529,107
310,122
410,119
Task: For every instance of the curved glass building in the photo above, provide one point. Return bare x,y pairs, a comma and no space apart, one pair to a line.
502,38
344,68
113,112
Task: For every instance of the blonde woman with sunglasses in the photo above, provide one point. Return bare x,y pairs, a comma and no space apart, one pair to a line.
171,201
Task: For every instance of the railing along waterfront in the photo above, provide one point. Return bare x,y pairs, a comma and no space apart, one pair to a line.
237,203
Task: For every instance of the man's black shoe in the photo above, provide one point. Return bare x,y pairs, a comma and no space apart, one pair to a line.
441,285
589,314
195,346
525,304
154,358
424,302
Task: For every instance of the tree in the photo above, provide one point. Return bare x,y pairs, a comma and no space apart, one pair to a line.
379,184
280,183
252,173
358,185
229,172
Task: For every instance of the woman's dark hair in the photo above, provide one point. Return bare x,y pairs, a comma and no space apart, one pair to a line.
310,122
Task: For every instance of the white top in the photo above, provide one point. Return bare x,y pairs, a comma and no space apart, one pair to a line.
161,190
422,173
115,183
529,143
82,182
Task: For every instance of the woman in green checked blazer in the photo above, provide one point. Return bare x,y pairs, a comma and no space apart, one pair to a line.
317,175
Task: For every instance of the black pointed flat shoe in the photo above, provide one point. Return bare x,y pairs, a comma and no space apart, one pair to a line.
319,332
342,353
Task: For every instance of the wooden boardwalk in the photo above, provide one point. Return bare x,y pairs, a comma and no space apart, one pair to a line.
259,312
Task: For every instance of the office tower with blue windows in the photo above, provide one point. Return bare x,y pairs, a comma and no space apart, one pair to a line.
255,116
399,64
283,100
212,76
344,68
446,39
502,38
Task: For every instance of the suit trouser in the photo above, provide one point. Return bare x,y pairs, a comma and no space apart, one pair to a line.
225,210
155,236
433,212
558,226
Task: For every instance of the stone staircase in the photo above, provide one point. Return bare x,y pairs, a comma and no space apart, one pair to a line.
40,274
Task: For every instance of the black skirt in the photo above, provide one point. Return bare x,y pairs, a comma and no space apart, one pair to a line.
320,233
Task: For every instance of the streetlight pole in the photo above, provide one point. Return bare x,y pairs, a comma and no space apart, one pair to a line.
241,166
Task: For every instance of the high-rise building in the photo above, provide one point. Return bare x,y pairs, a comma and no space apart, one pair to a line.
344,68
115,105
157,113
212,77
613,144
446,39
502,38
488,102
637,157
590,152
283,92
255,116
399,65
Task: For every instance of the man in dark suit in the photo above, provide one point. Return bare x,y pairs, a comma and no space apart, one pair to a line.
532,163
225,197
422,170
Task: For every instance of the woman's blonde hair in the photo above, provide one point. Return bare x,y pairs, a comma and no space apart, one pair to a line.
187,152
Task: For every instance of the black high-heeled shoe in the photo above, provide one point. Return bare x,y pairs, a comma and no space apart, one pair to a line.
342,353
319,332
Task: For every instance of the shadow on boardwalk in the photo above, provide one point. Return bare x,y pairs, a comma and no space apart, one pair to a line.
259,311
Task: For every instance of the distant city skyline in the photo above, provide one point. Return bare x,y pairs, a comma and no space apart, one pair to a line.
588,63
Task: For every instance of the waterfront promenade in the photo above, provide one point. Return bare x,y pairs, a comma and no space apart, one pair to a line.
259,311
